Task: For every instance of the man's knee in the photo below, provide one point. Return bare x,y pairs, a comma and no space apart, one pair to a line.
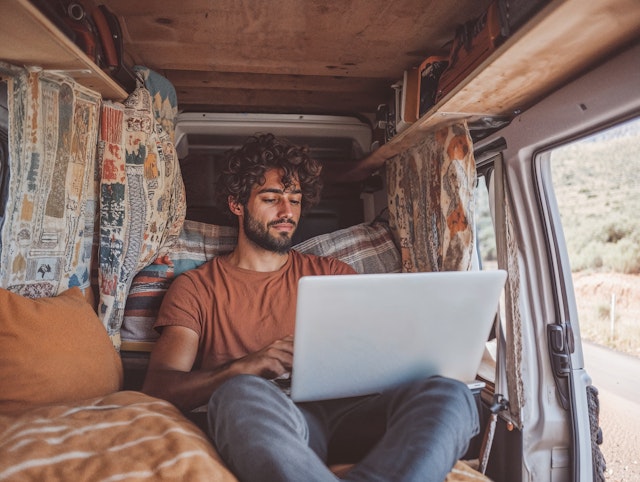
460,399
446,396
251,399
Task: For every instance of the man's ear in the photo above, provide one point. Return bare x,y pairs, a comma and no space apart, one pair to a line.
235,207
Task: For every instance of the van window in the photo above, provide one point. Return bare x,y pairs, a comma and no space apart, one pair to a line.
485,231
596,181
487,260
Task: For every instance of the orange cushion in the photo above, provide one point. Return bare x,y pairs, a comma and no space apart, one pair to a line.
53,350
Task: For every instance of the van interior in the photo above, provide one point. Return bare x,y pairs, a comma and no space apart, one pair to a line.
370,87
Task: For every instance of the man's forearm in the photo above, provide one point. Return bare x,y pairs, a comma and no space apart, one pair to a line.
186,390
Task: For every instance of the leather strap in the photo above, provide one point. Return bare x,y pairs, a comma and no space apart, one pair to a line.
106,38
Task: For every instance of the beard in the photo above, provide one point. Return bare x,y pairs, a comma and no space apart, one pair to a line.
260,235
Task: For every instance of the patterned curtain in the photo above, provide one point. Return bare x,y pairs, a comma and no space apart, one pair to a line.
47,235
430,190
51,225
164,100
142,200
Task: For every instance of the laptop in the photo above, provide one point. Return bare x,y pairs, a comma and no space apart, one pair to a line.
361,334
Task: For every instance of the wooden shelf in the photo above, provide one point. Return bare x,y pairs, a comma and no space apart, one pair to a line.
28,38
565,38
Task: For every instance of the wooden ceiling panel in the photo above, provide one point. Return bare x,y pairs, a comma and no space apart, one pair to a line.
359,46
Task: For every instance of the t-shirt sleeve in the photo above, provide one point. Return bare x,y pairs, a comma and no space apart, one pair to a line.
180,306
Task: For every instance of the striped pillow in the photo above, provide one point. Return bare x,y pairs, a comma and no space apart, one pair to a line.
197,243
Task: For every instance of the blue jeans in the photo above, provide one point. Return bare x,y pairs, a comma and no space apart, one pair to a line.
415,432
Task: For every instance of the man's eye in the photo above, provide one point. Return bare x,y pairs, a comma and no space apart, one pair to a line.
295,202
269,200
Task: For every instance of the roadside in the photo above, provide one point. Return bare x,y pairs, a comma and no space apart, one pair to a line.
617,377
609,310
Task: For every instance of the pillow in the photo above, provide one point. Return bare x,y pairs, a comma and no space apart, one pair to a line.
53,350
368,248
198,242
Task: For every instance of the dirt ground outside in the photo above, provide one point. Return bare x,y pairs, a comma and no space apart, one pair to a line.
620,422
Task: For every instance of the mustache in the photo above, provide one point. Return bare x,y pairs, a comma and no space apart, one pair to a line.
282,221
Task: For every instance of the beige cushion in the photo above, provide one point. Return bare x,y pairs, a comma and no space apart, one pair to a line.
53,350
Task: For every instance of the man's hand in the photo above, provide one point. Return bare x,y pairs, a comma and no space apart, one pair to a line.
270,362
170,375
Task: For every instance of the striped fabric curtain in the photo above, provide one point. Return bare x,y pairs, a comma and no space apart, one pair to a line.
430,190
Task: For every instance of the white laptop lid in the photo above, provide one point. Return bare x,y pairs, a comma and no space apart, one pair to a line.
360,334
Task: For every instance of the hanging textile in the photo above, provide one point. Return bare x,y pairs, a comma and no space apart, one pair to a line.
508,256
142,200
49,224
163,96
430,191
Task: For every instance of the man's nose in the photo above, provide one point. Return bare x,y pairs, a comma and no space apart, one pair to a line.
285,210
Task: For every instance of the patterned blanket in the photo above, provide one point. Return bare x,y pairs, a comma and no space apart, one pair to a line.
124,436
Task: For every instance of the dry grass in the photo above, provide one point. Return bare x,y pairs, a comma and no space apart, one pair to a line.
594,294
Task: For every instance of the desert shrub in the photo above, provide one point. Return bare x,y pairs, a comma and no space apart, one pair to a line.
623,256
612,245
604,311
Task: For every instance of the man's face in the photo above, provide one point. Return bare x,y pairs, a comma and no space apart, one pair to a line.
272,213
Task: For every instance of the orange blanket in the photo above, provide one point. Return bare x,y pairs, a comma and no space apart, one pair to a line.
124,436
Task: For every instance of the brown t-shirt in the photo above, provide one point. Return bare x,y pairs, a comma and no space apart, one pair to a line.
237,311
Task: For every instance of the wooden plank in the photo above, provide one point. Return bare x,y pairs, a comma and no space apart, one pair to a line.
234,80
564,39
263,100
138,346
28,38
567,38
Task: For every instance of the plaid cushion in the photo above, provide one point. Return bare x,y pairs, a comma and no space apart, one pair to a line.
368,248
200,242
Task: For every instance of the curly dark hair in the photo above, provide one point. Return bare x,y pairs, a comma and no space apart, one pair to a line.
247,165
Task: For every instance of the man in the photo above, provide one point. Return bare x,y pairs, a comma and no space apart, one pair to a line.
226,332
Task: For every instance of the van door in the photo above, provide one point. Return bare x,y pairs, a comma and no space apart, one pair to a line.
552,398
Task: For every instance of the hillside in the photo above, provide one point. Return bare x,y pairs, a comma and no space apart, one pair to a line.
597,185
